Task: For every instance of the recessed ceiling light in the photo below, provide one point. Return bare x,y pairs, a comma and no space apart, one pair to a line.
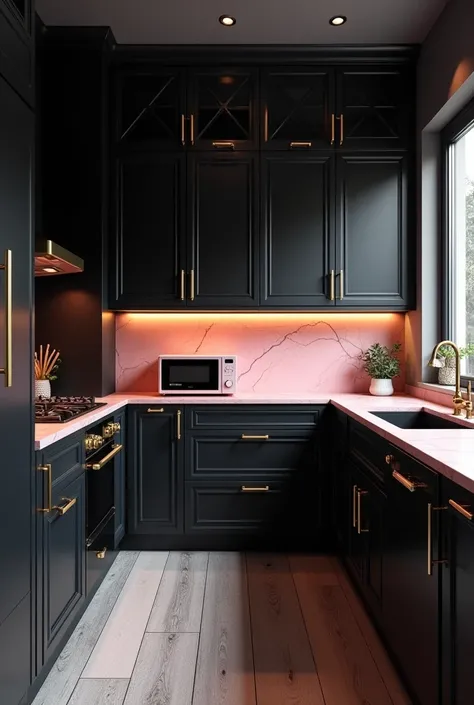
337,20
227,20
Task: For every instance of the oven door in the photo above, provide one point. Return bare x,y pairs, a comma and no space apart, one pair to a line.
190,375
100,479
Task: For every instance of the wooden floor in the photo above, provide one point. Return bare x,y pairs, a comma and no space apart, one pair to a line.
223,629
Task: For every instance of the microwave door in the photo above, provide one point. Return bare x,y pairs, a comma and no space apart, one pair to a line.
187,375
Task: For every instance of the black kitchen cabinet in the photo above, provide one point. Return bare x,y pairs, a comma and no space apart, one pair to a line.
374,239
298,108
119,479
297,232
155,470
17,46
148,256
223,227
457,591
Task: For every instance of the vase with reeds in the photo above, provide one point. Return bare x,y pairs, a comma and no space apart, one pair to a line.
46,366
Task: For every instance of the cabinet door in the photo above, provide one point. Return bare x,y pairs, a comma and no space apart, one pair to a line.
297,107
150,110
374,267
357,544
61,543
119,480
147,251
411,581
297,244
222,247
222,106
17,52
374,108
155,467
457,591
372,515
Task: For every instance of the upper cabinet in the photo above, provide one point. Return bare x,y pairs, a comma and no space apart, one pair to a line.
17,46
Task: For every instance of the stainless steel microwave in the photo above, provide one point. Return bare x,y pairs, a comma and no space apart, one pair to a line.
197,374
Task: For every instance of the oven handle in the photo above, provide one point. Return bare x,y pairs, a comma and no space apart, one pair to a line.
105,459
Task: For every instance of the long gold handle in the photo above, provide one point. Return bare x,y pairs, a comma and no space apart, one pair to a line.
333,128
254,438
223,145
408,484
183,138
341,284
183,275
354,500
178,425
332,294
48,468
155,411
294,145
429,550
461,509
7,370
255,489
66,507
192,128
191,276
101,554
341,135
359,515
105,459
265,135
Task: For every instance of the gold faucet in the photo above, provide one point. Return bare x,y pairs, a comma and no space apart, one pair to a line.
458,402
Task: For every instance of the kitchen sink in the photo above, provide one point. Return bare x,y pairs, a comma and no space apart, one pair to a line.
416,419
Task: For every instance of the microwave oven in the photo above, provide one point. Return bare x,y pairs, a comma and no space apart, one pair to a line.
197,374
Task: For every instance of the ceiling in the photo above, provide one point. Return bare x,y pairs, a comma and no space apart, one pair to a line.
258,21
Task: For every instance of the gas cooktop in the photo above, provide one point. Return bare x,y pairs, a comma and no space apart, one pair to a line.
62,409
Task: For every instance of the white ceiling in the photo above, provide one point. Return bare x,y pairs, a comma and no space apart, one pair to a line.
258,21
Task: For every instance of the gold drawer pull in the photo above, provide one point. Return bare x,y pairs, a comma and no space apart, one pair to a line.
66,507
223,145
101,554
354,500
182,289
105,459
408,484
359,514
254,438
178,425
461,509
255,489
48,469
155,411
294,145
7,268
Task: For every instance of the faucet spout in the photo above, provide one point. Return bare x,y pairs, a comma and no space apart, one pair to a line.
458,401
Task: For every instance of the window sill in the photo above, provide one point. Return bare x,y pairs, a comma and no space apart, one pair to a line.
439,388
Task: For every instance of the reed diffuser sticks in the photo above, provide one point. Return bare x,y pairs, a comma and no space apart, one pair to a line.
45,364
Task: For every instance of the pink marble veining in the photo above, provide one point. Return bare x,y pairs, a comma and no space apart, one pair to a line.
283,353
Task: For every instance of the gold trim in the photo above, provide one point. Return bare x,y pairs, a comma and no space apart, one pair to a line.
429,556
224,145
178,425
255,489
183,139
155,411
341,285
47,468
192,128
191,276
410,485
300,144
461,509
182,295
244,437
66,507
101,554
105,459
332,294
354,500
341,139
333,128
8,369
359,514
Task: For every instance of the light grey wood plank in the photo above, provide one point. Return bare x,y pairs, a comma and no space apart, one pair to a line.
225,674
346,668
103,691
384,664
65,673
179,601
116,651
164,672
321,568
285,672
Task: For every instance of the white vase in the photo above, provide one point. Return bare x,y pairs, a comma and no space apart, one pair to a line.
447,373
42,388
381,387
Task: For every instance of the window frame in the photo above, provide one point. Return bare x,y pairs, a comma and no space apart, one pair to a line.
453,131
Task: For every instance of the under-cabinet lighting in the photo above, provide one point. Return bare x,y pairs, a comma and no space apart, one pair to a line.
337,20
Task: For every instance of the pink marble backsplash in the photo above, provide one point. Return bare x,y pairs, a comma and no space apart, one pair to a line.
284,353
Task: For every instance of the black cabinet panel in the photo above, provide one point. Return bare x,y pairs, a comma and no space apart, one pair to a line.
149,223
297,105
243,417
297,225
15,650
119,481
155,483
66,457
16,46
223,230
372,231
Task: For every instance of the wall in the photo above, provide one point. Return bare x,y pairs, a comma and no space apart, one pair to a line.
276,352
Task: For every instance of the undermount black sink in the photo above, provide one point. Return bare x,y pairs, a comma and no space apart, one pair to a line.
416,419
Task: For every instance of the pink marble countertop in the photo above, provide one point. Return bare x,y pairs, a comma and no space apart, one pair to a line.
450,451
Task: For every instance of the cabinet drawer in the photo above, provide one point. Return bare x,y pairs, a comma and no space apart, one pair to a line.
228,507
229,455
66,457
247,417
369,449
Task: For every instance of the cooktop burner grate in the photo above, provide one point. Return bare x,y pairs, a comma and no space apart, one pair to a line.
63,409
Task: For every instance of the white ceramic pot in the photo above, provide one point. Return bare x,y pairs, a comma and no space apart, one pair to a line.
381,387
447,373
42,388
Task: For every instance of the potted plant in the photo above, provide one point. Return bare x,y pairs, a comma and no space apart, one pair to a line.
382,365
45,371
446,355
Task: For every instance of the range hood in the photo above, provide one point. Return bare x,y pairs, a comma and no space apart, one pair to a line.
51,259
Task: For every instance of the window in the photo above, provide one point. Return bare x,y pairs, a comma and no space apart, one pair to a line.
458,235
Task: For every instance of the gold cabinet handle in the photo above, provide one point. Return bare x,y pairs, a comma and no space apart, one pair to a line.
410,485
341,133
265,128
341,284
266,488
429,549
389,459
333,128
254,438
105,459
354,501
178,425
223,145
48,469
359,515
296,145
332,294
101,554
191,277
461,509
191,119
66,507
7,370
155,411
183,138
182,292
